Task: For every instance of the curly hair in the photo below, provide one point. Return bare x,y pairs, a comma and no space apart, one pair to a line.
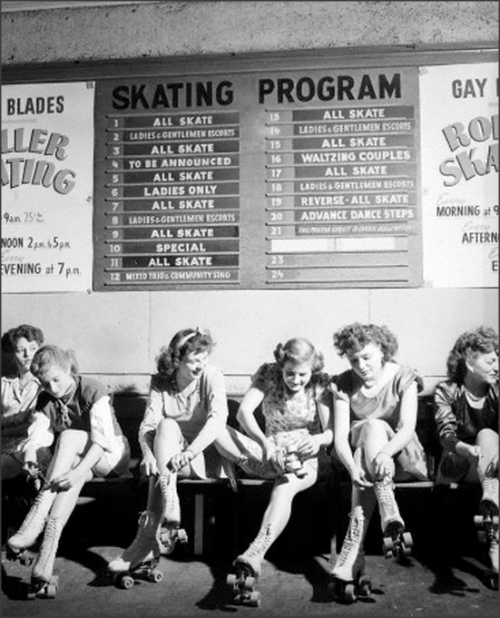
53,356
354,337
12,336
184,342
481,340
299,350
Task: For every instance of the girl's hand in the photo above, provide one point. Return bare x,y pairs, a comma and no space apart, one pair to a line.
383,465
473,454
358,477
66,481
148,464
309,447
269,450
180,460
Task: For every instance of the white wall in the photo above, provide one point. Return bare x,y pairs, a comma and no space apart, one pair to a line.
121,332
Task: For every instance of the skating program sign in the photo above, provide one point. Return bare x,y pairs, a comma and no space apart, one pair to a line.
47,187
260,179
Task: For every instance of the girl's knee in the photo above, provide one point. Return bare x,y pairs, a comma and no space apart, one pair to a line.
487,436
72,437
168,426
375,426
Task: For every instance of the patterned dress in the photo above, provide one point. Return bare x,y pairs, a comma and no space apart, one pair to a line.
288,418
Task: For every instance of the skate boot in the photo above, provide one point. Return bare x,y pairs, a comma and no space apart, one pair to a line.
140,560
397,542
43,583
171,531
247,568
31,528
487,524
347,579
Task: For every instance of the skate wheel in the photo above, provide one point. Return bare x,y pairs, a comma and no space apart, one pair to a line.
254,599
50,591
126,582
156,576
249,583
482,536
405,551
26,559
478,520
31,596
407,539
231,580
365,587
388,546
182,536
349,593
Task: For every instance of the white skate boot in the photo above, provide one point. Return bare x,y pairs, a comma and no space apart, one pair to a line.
487,524
43,583
140,559
347,577
31,528
171,531
248,567
397,542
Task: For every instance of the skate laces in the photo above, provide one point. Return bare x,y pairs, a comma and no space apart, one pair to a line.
49,545
352,540
261,544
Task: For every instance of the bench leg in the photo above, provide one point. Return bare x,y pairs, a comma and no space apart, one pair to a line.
199,513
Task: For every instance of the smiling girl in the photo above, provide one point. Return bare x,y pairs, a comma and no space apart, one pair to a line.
375,415
76,411
185,412
19,394
296,406
466,412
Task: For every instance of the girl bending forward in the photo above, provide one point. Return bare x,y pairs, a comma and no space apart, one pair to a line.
375,414
296,406
76,410
466,412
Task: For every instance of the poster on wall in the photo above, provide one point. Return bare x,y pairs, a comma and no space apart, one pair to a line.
459,152
272,178
47,187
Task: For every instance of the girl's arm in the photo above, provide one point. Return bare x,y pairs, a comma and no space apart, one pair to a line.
217,412
40,435
383,461
341,419
246,416
147,430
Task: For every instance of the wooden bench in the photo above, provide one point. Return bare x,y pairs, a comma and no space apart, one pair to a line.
130,406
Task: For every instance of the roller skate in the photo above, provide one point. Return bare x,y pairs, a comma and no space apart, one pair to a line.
396,541
43,583
242,583
487,525
21,545
140,560
171,532
170,535
347,579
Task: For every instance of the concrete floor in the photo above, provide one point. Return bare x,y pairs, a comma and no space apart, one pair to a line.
197,588
443,577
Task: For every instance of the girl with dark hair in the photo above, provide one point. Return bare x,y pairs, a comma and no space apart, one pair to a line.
466,412
296,406
19,393
186,411
375,415
77,411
